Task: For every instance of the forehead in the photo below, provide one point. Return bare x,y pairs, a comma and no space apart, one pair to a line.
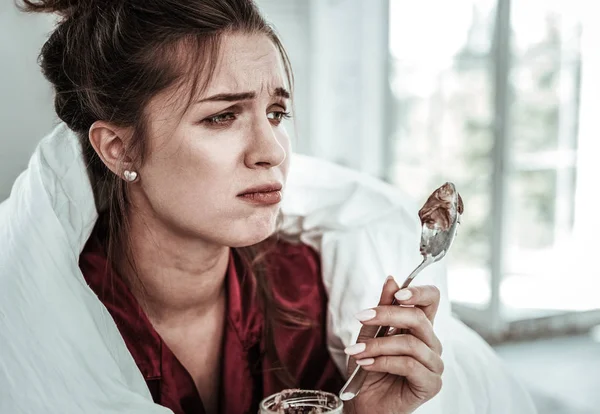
247,62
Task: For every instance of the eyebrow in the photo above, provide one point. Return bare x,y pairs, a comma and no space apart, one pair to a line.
282,93
243,96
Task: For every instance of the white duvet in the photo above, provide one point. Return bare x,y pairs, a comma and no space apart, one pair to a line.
60,351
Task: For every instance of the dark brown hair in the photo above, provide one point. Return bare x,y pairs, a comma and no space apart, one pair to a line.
108,58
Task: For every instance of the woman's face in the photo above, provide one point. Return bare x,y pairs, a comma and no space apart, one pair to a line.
228,142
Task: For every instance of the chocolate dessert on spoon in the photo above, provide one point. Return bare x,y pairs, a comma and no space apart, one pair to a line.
440,217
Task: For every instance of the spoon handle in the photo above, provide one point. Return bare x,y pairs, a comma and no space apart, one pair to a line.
352,387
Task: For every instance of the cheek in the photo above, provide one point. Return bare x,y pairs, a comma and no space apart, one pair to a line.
192,184
188,172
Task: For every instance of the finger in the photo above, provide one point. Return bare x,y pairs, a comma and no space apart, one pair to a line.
398,345
425,297
424,383
399,317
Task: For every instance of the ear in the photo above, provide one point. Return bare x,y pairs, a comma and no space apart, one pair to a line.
110,143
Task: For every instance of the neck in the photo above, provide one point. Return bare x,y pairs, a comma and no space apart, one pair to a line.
177,279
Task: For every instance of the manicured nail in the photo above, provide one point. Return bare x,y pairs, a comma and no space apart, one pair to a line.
366,361
403,294
366,315
355,349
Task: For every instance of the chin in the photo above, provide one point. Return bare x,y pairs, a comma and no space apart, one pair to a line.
251,233
250,239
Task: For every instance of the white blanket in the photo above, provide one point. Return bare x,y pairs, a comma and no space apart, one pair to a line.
60,351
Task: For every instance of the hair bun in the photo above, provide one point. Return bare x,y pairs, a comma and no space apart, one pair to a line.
65,8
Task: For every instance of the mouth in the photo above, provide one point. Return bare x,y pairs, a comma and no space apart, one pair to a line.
267,194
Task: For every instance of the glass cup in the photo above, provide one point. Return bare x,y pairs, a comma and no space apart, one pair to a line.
301,402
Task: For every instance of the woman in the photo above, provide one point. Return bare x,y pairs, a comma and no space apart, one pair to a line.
179,106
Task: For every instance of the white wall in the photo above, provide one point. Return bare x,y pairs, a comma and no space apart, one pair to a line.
339,49
26,108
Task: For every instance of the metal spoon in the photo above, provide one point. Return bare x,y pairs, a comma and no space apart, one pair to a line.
435,243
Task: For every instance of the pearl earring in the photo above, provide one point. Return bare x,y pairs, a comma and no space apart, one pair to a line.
130,176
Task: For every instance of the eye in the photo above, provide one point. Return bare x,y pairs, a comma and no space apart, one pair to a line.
277,116
220,119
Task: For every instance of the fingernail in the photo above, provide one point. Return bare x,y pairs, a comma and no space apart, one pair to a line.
403,294
366,361
366,315
355,349
387,279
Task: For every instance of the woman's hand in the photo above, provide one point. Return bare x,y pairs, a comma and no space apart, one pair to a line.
405,369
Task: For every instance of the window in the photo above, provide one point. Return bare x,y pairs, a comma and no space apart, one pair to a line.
488,94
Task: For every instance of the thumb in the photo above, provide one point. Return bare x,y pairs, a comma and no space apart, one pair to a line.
387,297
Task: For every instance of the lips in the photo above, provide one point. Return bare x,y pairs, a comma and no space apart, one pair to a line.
265,188
266,194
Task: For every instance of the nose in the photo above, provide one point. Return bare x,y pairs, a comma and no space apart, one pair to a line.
265,150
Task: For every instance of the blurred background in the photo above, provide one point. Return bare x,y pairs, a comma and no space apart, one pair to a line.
498,96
